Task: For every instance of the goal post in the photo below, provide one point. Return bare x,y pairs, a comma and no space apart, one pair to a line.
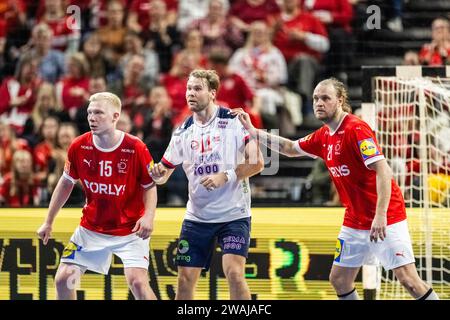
409,110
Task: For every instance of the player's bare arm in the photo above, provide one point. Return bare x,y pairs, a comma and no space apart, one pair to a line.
160,173
272,141
59,197
253,164
384,177
144,226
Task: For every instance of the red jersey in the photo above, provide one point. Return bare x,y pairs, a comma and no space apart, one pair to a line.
347,152
113,181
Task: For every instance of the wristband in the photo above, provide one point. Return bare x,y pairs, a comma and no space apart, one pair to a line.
231,175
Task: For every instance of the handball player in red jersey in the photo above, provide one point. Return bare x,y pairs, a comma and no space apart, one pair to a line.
113,168
375,227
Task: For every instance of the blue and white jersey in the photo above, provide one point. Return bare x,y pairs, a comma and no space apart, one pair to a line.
208,149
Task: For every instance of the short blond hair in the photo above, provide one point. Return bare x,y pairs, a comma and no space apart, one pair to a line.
111,99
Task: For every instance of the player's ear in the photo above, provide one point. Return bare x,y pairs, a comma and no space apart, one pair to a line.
116,116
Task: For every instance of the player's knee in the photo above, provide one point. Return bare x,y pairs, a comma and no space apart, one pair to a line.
186,280
138,284
67,279
337,281
235,275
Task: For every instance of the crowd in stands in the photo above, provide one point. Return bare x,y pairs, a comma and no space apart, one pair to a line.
54,54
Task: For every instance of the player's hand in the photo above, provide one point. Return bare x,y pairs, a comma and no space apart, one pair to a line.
143,227
244,117
158,172
44,232
378,228
214,181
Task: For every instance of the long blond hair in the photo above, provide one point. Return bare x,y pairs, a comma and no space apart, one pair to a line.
15,175
38,114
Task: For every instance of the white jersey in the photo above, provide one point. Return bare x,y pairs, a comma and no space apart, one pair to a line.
207,149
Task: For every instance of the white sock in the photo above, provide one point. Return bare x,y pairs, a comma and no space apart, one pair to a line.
430,295
352,295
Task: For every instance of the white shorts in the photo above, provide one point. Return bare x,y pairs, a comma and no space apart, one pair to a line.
354,248
93,251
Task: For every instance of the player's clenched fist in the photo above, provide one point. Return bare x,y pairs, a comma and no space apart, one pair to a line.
44,232
158,172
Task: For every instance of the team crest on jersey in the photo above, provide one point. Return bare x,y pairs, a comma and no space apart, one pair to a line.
67,167
306,138
368,148
122,166
70,250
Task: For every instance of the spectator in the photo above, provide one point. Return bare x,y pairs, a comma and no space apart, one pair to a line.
191,10
44,107
157,121
43,151
9,144
244,12
303,40
72,90
99,66
139,16
217,30
193,46
134,46
263,66
175,83
131,89
437,53
337,16
20,188
66,134
113,34
411,58
51,65
65,37
161,35
18,93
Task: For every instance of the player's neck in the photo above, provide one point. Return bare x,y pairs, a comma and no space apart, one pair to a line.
334,123
204,116
108,139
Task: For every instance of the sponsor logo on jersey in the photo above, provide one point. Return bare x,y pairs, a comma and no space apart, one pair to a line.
194,145
339,171
105,188
368,148
338,250
67,167
87,147
222,124
70,249
127,150
150,167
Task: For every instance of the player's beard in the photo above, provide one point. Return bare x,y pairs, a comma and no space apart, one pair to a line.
198,107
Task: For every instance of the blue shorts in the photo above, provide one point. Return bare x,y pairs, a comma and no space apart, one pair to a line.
198,240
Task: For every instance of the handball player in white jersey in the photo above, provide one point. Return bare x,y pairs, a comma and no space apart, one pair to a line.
218,157
114,169
375,226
